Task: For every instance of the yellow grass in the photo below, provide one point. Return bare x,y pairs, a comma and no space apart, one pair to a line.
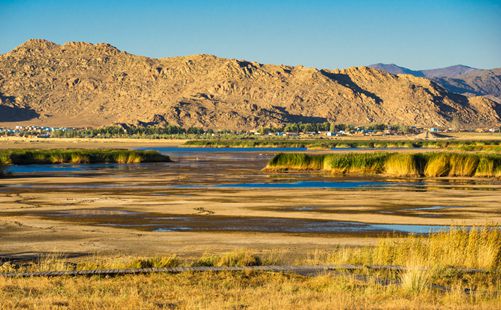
79,159
401,165
416,280
242,290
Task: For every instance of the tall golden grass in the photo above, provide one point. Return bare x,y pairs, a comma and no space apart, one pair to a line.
242,290
475,247
402,165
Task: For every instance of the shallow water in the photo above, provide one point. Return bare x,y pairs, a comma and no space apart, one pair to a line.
238,168
180,150
204,170
26,169
215,223
432,208
309,184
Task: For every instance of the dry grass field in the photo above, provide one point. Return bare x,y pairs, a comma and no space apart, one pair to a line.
433,279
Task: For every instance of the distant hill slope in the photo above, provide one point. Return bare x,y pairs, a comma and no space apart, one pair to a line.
394,69
452,71
458,79
82,84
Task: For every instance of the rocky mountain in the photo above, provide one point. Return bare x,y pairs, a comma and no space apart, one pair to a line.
458,79
81,84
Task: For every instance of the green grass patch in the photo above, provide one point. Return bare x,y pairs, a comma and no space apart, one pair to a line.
78,156
325,143
439,164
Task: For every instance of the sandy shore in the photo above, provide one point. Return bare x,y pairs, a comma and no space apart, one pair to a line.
48,143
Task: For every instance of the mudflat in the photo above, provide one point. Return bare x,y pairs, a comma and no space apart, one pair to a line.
111,221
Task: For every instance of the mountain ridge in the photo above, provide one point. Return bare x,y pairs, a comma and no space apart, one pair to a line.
80,84
458,79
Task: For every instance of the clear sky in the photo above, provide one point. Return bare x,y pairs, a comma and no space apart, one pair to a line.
419,34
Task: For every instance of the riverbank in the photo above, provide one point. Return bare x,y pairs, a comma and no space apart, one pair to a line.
467,141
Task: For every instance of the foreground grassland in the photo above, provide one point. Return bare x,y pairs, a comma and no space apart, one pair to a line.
245,290
78,156
466,145
437,164
432,278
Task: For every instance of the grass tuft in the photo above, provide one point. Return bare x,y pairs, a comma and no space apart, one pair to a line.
402,165
416,280
237,258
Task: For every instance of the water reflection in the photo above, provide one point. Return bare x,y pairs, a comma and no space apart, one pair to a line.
220,168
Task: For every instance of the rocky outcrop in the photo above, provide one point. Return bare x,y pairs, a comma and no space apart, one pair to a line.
82,84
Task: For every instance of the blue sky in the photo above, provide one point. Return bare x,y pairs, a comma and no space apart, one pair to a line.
419,34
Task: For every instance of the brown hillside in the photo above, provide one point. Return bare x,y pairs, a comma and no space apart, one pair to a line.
82,84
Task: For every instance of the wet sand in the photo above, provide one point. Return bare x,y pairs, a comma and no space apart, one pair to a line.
28,224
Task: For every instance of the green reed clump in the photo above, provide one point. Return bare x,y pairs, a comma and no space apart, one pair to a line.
437,165
78,156
5,159
442,164
403,165
327,143
488,166
463,165
296,161
360,163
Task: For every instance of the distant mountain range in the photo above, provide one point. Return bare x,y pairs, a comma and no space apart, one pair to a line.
80,84
458,79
